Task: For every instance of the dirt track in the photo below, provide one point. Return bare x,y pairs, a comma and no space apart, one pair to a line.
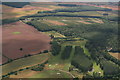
19,35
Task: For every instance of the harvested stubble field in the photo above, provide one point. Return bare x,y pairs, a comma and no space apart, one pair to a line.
19,35
116,55
18,12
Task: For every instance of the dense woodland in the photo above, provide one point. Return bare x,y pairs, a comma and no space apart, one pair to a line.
16,4
78,58
56,47
66,53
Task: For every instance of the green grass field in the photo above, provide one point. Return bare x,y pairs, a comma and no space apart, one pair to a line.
54,33
96,68
16,32
51,74
24,62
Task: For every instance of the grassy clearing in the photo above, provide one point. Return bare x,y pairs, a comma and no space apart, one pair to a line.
85,13
74,43
46,73
51,74
24,62
16,32
54,33
96,68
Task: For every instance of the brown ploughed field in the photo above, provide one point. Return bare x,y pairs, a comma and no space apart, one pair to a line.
20,39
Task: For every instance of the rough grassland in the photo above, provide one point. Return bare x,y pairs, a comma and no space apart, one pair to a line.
24,62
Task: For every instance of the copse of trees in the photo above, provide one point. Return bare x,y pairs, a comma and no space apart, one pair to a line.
60,15
79,51
16,4
114,43
81,61
76,8
47,11
56,48
40,67
68,5
66,52
111,58
40,26
7,21
109,68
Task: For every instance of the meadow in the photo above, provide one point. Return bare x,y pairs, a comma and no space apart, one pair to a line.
24,62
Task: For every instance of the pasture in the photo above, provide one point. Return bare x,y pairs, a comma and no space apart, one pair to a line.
55,22
51,74
42,74
54,33
24,62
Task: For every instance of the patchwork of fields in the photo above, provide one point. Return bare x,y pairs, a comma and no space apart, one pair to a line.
26,10
60,40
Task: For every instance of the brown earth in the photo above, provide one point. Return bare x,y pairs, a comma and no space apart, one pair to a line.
20,35
116,55
4,60
10,12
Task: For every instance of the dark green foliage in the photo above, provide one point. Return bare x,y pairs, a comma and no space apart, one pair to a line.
51,36
10,60
109,67
111,58
40,67
27,55
81,61
21,69
45,51
66,53
68,5
16,4
79,50
55,14
76,78
56,48
40,26
114,43
7,21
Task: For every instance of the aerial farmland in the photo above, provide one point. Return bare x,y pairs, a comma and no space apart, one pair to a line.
60,40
